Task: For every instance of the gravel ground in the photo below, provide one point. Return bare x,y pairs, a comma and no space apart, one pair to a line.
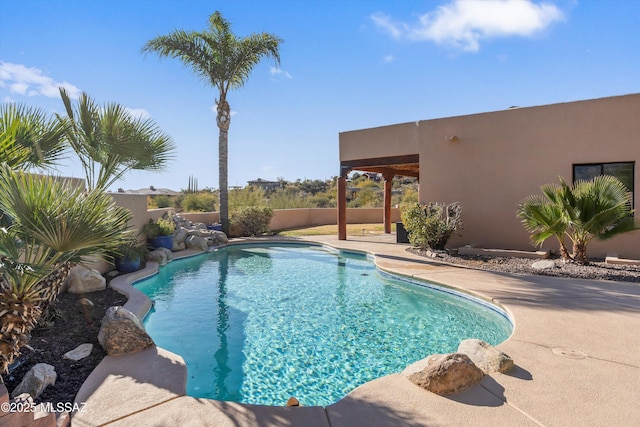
596,269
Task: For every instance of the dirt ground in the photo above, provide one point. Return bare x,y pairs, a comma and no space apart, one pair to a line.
71,327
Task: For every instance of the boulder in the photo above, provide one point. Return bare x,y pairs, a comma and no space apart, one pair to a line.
122,332
444,373
180,236
197,242
220,237
485,356
546,264
84,280
161,255
78,353
36,380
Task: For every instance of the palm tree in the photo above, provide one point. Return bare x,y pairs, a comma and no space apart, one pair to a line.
224,61
544,217
600,209
28,138
53,225
109,141
596,209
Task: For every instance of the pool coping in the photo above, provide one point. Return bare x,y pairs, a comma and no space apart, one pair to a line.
564,375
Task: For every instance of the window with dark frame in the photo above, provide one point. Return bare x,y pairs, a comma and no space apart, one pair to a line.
624,171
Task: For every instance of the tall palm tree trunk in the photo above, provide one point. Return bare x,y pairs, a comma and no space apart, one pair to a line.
223,120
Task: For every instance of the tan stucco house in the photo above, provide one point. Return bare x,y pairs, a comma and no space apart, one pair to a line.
488,162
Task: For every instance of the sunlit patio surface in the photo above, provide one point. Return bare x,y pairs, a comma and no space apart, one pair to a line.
575,345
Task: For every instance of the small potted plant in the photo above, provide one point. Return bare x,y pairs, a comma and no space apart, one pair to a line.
159,233
129,256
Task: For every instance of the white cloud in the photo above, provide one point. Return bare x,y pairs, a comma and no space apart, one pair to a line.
395,29
138,113
32,81
275,71
463,24
8,99
388,58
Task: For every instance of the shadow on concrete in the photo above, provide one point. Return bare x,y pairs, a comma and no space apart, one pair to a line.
520,373
353,411
478,396
568,293
223,414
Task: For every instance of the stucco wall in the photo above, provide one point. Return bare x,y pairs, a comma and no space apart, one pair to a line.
296,218
137,204
385,141
283,219
499,158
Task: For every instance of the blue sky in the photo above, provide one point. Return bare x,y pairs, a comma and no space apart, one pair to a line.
345,65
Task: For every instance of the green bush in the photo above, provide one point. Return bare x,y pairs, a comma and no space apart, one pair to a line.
199,202
163,201
250,221
431,226
159,227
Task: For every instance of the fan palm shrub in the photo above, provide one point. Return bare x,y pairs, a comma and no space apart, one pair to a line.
53,226
596,209
224,61
110,141
544,216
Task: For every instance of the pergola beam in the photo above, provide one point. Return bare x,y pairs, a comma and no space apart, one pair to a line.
408,165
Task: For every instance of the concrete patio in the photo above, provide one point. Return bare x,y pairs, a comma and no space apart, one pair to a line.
575,344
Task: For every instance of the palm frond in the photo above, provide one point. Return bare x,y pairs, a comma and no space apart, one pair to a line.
110,142
29,138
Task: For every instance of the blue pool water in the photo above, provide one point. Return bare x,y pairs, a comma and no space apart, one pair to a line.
259,324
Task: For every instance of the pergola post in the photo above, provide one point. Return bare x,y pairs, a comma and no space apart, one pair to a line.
342,207
388,184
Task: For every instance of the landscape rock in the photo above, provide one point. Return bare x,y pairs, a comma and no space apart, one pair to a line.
220,237
485,356
197,242
122,332
543,265
180,236
84,280
444,373
79,353
39,377
161,255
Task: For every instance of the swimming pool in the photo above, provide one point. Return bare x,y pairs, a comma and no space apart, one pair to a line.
261,323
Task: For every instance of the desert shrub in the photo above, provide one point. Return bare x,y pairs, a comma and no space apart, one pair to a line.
431,226
322,200
250,221
245,197
163,201
199,202
289,199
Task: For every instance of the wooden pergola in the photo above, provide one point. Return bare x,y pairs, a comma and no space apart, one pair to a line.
389,167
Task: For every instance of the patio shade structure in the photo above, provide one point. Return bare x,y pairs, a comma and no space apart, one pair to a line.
388,167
